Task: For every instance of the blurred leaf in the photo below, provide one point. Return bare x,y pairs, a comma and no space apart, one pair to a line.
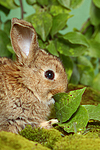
8,4
58,9
52,49
76,38
96,82
42,22
94,49
4,40
42,44
96,34
97,3
84,61
59,22
31,2
9,47
37,8
67,103
93,111
94,15
0,23
68,49
75,78
76,3
86,75
7,26
68,65
78,121
4,9
65,3
43,2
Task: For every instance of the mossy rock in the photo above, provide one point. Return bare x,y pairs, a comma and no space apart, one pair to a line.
11,141
78,142
46,137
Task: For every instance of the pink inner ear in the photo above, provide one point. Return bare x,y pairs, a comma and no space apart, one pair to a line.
24,39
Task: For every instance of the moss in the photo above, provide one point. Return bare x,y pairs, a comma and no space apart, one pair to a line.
11,141
78,142
43,136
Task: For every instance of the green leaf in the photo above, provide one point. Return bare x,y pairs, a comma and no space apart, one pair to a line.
97,3
59,22
93,111
68,65
78,121
94,49
94,15
58,9
42,22
65,3
96,82
8,4
76,3
67,103
4,40
52,49
86,75
66,48
76,38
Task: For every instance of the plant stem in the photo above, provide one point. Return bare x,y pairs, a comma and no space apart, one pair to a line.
22,9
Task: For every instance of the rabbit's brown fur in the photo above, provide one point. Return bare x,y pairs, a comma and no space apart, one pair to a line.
25,92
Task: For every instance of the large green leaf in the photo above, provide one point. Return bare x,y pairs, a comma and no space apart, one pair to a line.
8,4
66,48
59,21
93,111
4,40
76,38
67,103
97,3
95,15
42,22
78,121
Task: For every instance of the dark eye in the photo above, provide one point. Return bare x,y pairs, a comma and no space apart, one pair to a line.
49,74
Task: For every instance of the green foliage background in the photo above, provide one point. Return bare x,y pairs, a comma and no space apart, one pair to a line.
68,29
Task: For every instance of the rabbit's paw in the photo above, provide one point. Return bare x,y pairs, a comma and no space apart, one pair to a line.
48,124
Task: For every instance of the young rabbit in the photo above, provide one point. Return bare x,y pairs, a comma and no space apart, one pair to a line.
28,84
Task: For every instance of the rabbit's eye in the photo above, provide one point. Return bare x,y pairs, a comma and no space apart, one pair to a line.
49,74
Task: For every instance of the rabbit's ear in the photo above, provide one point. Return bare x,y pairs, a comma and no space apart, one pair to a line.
24,40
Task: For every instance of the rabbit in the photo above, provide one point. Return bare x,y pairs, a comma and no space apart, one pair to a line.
28,84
